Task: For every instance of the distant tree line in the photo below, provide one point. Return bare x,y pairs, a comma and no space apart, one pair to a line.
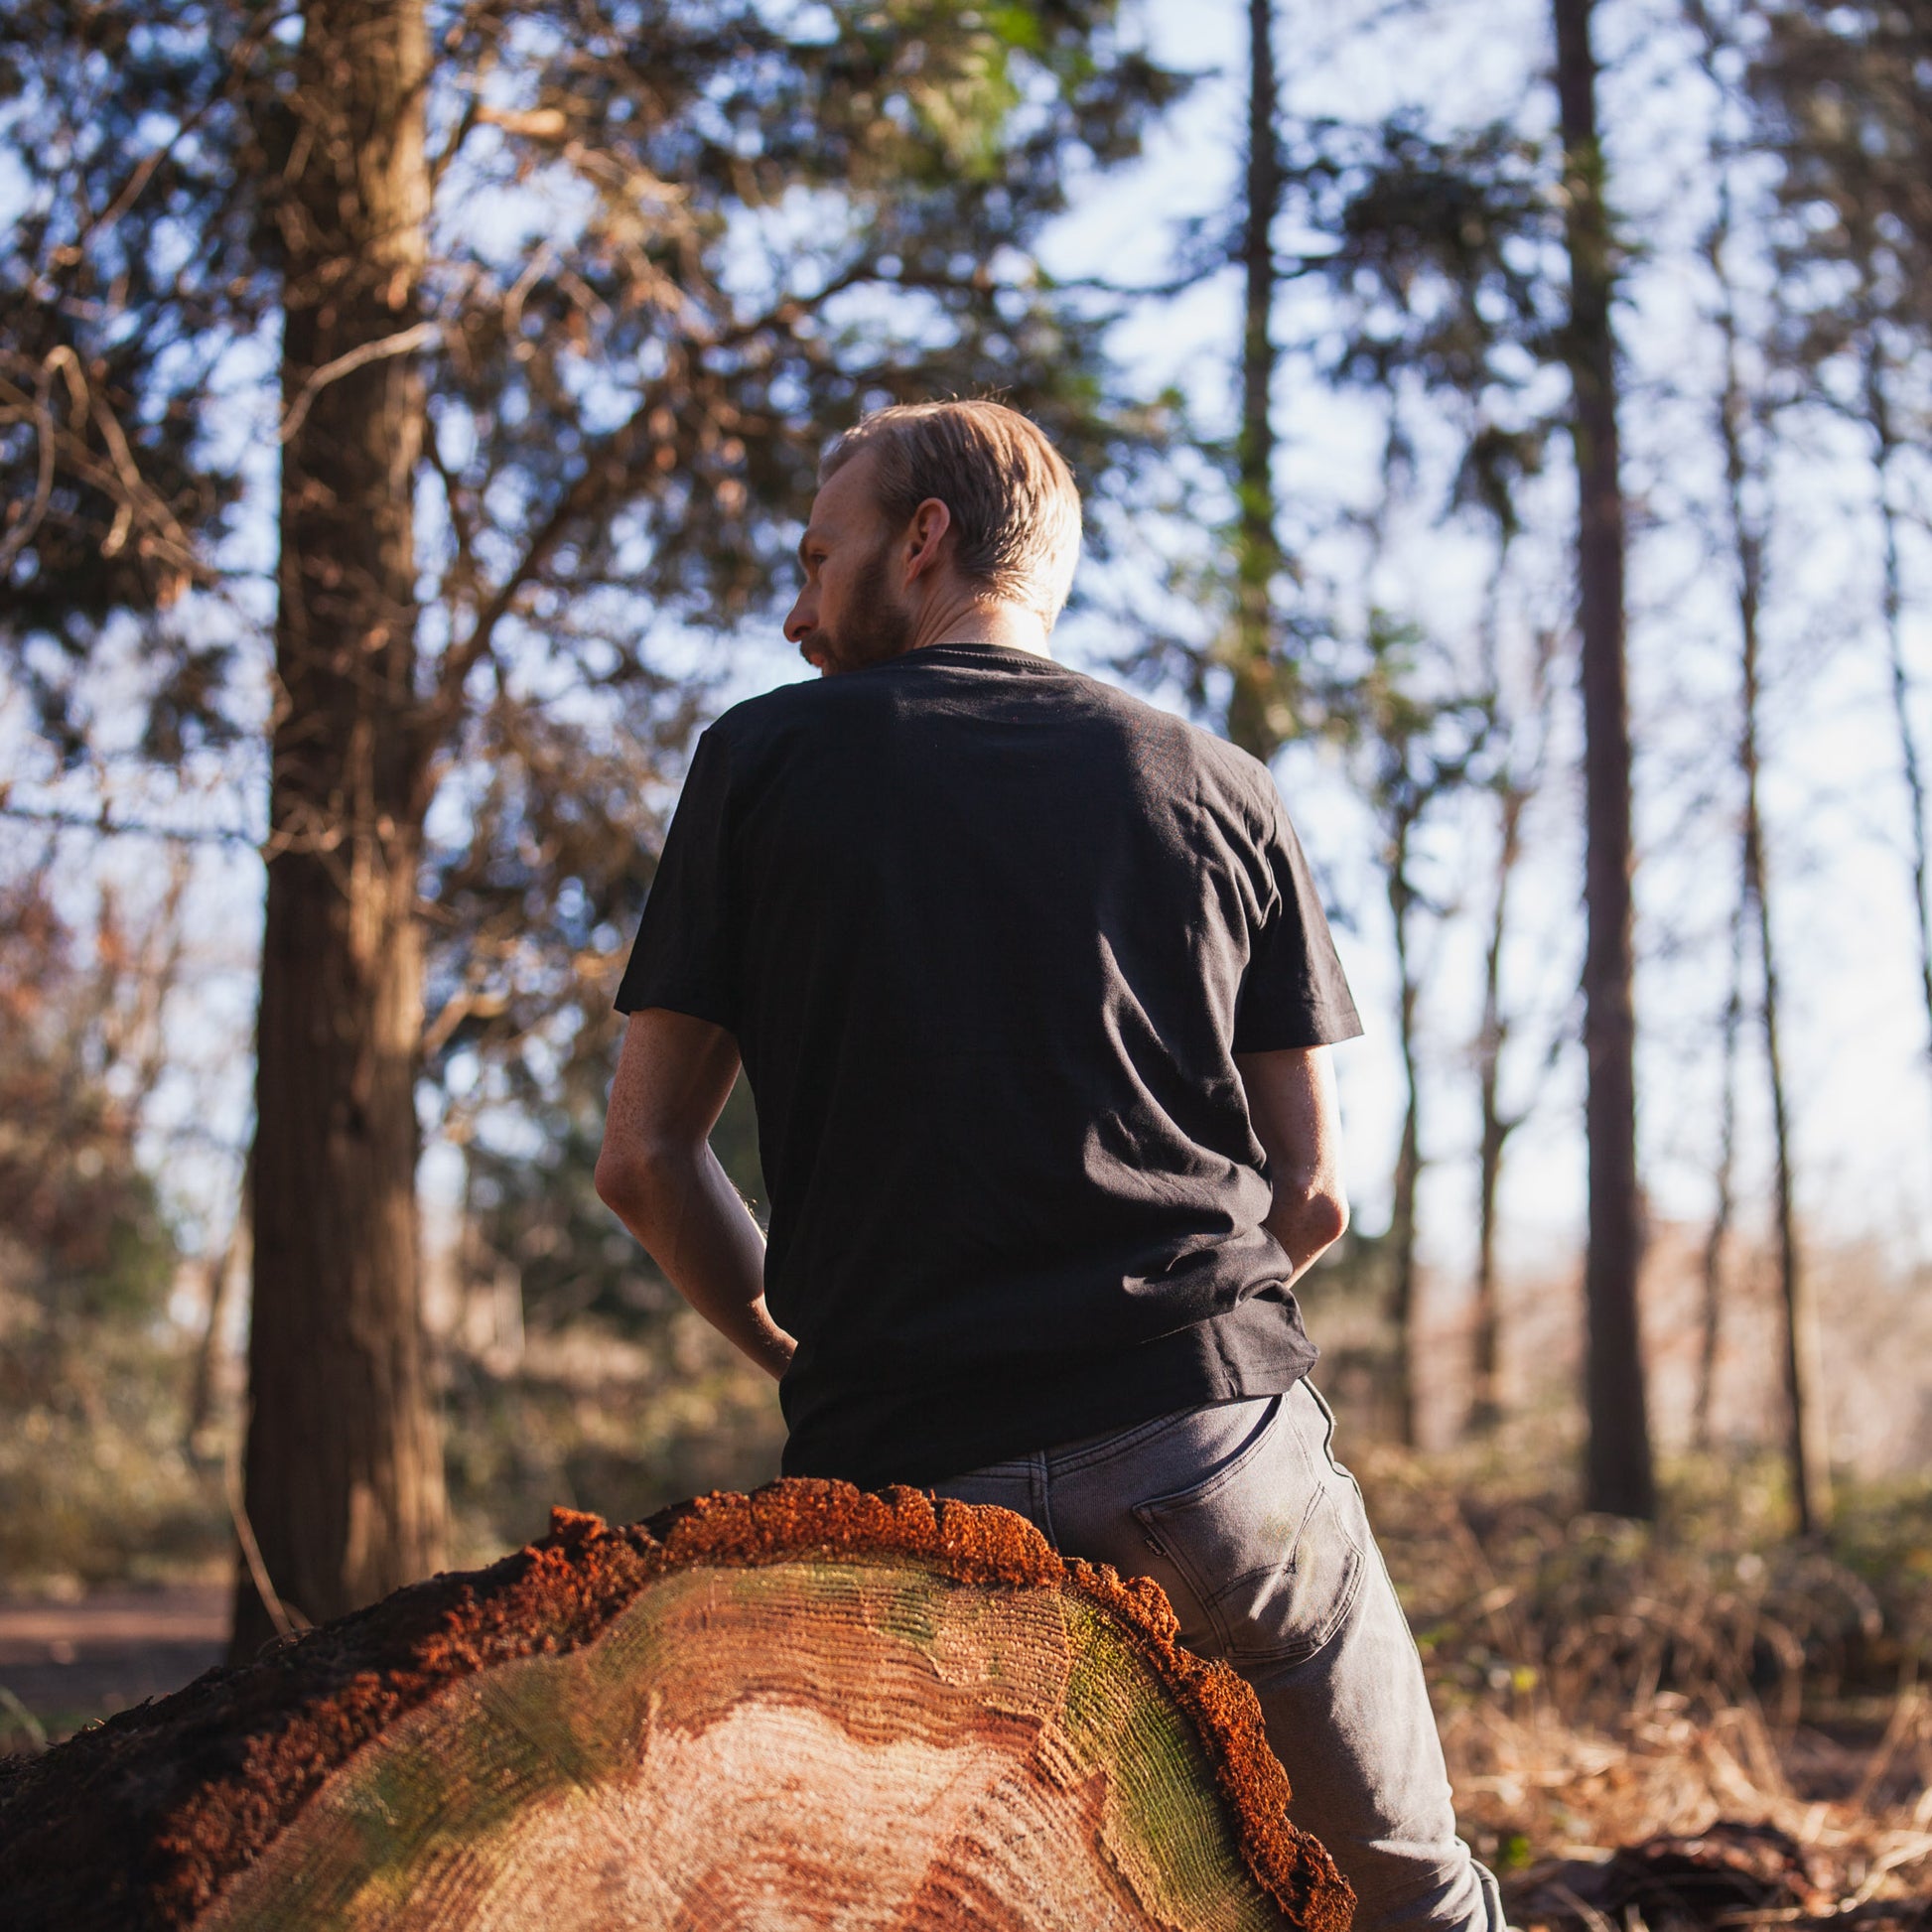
1460,264
391,393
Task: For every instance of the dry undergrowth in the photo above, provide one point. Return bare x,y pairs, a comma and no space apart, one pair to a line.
1545,1793
1598,1684
1605,1686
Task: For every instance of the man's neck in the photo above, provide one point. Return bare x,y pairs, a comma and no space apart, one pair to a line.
961,619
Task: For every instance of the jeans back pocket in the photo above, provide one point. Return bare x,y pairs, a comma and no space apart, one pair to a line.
1268,1542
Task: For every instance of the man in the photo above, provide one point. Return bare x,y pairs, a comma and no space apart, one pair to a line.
1036,998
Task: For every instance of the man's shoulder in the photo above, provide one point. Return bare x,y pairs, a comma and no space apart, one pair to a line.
1184,746
806,702
1219,755
1179,749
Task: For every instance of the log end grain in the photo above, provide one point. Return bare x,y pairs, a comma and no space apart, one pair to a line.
808,1706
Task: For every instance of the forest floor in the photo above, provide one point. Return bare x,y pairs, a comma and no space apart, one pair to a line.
65,1664
1702,1723
1669,1818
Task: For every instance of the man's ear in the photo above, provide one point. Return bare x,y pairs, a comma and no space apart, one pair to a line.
925,537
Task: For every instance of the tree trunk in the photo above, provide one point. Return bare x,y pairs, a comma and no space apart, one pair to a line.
344,1492
233,1261
1879,416
1408,1159
1806,1447
1618,1476
1711,1308
807,1706
1748,557
1807,1454
1805,1442
1258,718
1486,1406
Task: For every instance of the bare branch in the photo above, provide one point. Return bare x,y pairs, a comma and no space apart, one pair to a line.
107,827
143,170
59,357
576,502
119,479
401,343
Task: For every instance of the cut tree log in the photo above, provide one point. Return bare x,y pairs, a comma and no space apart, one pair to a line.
808,1706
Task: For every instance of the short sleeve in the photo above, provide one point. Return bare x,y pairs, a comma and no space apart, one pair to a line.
1293,992
684,958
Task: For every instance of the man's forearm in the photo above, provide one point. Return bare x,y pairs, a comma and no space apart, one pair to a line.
682,1206
1291,1092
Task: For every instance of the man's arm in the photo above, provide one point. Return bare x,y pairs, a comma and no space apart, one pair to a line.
1292,1102
658,1173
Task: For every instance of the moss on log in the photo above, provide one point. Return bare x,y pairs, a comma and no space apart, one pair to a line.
806,1706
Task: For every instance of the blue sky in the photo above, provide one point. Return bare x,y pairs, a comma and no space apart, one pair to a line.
1855,1027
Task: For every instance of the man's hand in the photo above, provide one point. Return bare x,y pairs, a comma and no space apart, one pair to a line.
658,1173
1292,1102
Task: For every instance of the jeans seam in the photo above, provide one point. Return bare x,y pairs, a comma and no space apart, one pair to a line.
1229,1470
1328,1433
1111,1446
1043,1494
1301,1654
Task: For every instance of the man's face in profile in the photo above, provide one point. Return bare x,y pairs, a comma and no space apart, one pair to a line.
851,610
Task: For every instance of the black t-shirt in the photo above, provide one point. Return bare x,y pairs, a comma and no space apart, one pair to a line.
987,933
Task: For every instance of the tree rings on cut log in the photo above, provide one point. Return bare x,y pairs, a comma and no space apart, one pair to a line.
811,1706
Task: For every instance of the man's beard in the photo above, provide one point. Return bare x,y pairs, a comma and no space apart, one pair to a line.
878,625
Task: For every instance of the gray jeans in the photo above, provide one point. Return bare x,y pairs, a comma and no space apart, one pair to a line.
1240,1512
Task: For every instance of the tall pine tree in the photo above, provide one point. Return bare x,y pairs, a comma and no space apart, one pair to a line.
561,299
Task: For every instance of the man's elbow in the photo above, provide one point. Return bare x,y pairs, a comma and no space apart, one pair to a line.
1317,1221
1329,1217
628,1175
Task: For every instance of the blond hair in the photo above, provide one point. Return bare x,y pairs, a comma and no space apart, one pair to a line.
1015,511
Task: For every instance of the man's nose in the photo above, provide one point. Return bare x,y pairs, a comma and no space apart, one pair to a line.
801,621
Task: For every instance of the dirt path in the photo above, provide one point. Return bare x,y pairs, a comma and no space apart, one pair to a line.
63,1665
